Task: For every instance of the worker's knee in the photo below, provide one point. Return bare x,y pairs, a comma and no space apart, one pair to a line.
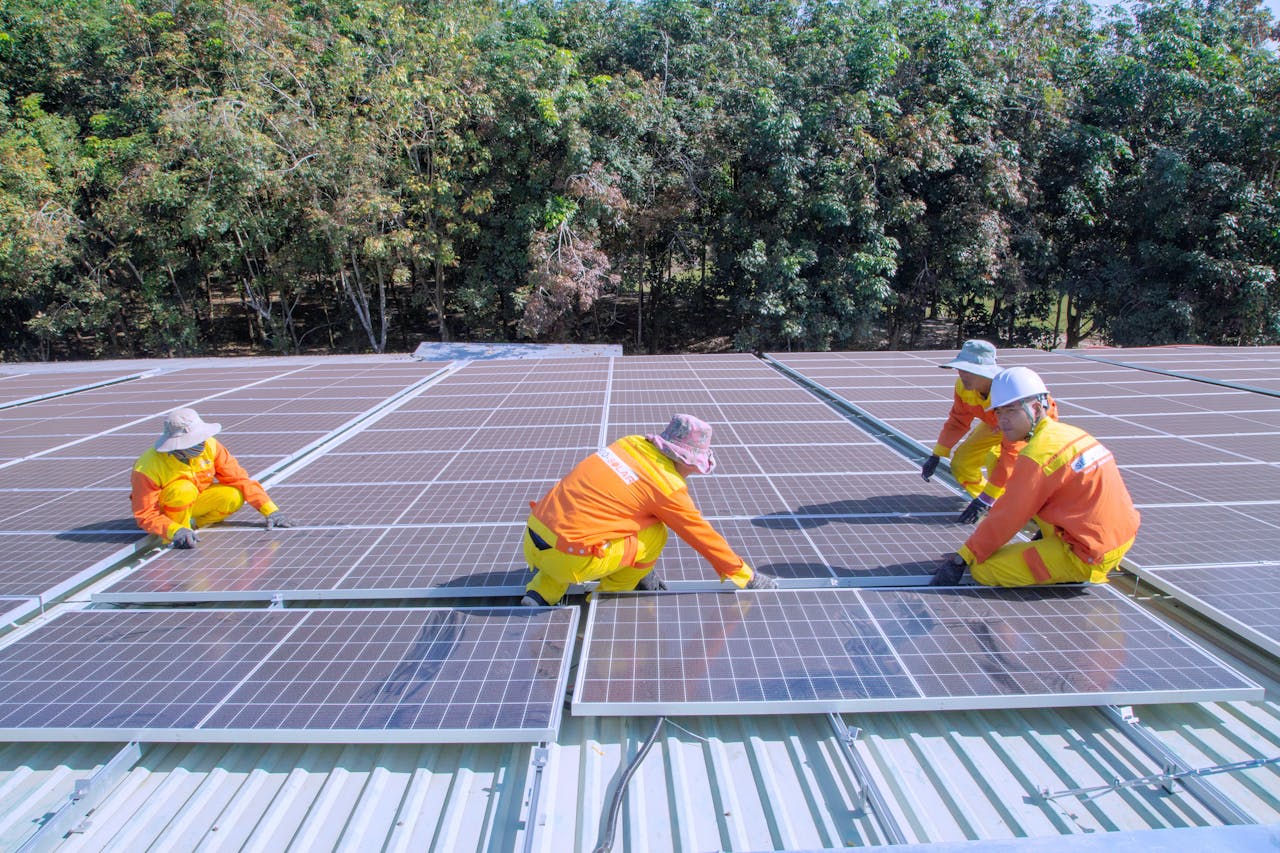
216,503
551,589
177,498
1044,561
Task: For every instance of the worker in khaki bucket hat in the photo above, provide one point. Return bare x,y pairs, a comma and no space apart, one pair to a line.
983,456
189,480
607,520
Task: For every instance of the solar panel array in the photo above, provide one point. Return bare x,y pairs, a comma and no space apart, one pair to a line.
1246,368
1200,460
431,499
887,650
64,483
249,676
427,498
22,386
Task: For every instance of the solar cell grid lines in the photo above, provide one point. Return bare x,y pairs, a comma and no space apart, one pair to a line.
367,468
322,504
1190,534
886,650
470,502
1242,597
47,560
430,675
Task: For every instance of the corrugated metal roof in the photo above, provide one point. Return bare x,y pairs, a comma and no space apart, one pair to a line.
710,783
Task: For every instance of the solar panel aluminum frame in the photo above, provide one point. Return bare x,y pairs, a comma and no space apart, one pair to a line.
344,432
81,578
86,387
1168,585
14,608
581,708
323,736
1237,386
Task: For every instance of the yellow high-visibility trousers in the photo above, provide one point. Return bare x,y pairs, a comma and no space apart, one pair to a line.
187,506
974,458
555,571
1043,561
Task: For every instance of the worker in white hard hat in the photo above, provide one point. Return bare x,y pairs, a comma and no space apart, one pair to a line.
188,480
984,446
1065,481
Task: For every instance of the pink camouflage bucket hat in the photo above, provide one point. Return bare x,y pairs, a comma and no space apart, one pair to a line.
687,439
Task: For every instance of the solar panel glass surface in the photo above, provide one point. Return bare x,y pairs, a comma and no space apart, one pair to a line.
352,675
888,650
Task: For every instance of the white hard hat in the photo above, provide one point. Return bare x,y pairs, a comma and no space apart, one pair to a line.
1014,384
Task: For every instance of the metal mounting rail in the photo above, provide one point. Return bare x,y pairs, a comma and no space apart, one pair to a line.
871,795
1149,742
537,764
84,799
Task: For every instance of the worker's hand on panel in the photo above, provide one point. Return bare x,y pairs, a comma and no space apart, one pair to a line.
949,572
184,538
279,519
930,465
651,582
759,580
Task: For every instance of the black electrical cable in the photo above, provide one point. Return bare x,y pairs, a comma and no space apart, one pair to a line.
615,807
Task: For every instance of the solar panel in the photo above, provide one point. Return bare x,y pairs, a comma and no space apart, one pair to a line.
1255,369
239,564
36,563
395,675
1240,597
24,388
812,651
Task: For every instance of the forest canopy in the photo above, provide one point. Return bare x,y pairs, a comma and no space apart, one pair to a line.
210,176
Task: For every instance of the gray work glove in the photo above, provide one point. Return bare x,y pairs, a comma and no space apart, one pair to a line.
949,573
651,583
278,519
760,580
976,509
184,538
930,465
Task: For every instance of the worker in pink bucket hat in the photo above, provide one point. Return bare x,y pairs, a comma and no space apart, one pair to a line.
608,519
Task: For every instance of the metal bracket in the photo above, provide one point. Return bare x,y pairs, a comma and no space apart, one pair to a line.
538,759
868,793
1173,769
277,602
84,798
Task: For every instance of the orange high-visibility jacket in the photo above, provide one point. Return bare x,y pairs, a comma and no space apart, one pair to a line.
618,491
155,470
1067,478
968,406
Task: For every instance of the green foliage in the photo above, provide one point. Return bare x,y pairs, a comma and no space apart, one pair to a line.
179,178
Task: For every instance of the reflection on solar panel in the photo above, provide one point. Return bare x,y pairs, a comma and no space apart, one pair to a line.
35,564
343,563
451,459
1243,598
18,389
66,490
1254,369
297,676
1173,436
807,651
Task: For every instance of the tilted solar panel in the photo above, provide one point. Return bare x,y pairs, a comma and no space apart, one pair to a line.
811,651
397,675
